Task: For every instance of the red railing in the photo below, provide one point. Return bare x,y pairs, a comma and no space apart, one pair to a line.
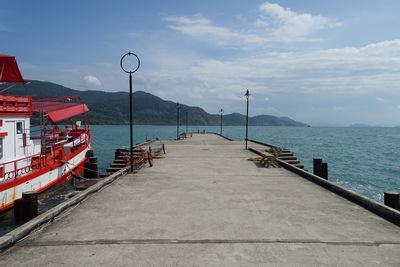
140,156
10,103
19,167
35,161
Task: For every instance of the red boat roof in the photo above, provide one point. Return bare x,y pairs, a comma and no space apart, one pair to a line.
9,71
58,111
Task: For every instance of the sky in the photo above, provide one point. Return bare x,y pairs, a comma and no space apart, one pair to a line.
319,62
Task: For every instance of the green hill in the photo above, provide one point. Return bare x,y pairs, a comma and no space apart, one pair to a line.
113,108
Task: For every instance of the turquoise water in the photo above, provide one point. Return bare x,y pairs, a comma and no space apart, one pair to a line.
365,160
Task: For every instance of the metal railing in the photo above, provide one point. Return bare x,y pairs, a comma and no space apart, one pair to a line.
13,169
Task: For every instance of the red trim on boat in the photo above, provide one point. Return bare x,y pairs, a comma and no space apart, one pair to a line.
66,177
32,175
58,111
60,180
15,114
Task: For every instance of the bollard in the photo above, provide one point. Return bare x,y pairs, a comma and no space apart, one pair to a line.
116,154
324,170
93,160
89,153
19,210
86,169
392,199
317,162
92,171
30,205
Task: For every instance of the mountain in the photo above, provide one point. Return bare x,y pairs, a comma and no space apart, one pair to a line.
113,108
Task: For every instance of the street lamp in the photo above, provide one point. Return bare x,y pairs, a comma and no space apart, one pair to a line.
221,111
133,70
186,123
247,114
178,106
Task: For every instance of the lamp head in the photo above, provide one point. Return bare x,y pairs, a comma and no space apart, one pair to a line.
247,94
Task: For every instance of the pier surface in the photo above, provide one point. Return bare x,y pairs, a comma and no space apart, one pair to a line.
205,204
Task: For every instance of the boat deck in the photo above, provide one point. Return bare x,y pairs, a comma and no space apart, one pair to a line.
205,204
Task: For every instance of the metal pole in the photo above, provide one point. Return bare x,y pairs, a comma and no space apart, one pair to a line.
130,120
220,131
177,121
133,70
186,122
247,120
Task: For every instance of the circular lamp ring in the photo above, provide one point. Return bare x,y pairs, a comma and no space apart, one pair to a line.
130,54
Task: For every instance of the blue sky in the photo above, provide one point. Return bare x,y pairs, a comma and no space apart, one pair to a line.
333,62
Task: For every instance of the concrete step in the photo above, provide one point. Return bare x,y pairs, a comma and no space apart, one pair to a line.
287,157
285,154
117,165
293,161
301,166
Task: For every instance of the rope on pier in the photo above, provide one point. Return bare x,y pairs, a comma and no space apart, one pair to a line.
266,161
76,175
276,151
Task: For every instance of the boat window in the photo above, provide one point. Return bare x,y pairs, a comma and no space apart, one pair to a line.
19,127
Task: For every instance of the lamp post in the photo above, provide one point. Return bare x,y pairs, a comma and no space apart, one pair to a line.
133,70
247,115
221,111
186,123
178,106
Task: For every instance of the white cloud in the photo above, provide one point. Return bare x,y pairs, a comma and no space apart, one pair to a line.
286,25
380,99
349,70
276,24
201,27
91,80
266,99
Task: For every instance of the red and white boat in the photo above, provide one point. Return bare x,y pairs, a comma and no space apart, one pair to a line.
48,159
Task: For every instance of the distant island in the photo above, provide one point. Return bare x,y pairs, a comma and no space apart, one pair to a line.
361,125
112,108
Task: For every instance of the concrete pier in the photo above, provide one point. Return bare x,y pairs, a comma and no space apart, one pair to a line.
205,204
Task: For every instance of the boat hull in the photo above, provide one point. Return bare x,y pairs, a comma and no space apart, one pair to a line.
42,180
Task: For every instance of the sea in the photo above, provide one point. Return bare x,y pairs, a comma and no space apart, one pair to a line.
365,160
